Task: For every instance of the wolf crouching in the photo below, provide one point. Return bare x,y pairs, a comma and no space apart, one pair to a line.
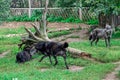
54,49
25,55
98,33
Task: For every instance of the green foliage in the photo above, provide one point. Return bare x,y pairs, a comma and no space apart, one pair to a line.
116,34
53,18
65,3
4,9
103,6
92,22
117,28
37,14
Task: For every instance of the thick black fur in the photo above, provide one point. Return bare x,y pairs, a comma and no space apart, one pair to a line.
23,56
54,49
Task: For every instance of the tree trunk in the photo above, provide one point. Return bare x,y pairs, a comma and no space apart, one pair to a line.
102,20
41,35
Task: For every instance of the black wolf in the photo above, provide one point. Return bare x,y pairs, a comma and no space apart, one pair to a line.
54,49
25,55
105,33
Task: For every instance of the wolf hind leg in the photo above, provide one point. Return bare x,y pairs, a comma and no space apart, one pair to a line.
56,61
92,41
96,41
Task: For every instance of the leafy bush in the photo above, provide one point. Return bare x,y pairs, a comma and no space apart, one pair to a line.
116,34
92,22
4,9
117,28
36,15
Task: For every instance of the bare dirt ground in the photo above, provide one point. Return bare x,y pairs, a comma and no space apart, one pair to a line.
72,68
82,33
113,74
51,25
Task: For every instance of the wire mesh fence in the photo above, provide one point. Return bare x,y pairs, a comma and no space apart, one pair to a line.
78,13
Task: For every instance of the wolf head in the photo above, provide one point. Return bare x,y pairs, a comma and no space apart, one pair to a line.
60,50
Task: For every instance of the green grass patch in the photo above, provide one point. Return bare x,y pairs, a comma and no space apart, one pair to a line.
19,30
32,70
9,40
116,34
74,36
5,31
92,22
57,34
118,75
100,52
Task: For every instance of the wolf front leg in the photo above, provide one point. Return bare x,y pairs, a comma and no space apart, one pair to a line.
65,62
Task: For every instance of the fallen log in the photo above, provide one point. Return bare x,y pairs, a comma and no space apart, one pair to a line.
78,53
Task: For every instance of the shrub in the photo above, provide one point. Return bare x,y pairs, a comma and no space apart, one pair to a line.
92,22
38,15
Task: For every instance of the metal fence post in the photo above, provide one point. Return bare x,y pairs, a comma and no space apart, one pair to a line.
29,10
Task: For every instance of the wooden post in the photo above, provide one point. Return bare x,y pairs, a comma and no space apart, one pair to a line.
80,13
29,10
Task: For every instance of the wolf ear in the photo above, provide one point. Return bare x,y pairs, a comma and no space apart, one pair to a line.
65,45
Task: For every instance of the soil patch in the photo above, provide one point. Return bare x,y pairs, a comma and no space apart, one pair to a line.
50,25
81,33
71,68
75,68
113,74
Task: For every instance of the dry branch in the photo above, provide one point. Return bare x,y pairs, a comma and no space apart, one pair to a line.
32,35
36,28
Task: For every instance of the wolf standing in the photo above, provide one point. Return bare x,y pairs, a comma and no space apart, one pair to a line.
105,33
54,49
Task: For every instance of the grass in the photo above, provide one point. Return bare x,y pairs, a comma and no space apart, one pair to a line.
57,34
19,30
118,75
32,69
73,36
100,52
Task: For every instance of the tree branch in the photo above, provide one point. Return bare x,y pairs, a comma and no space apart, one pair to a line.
36,28
32,35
